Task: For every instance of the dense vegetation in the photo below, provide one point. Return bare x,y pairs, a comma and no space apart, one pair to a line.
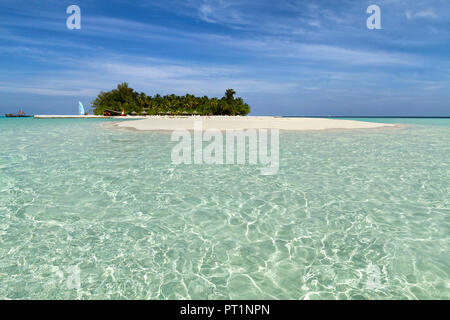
126,99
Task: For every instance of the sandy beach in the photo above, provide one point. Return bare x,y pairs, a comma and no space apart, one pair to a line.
235,123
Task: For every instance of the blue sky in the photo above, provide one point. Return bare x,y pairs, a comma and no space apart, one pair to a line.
286,57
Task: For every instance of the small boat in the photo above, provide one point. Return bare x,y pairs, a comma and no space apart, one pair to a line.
81,110
19,114
111,113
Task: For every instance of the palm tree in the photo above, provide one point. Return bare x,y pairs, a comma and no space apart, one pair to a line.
125,98
229,94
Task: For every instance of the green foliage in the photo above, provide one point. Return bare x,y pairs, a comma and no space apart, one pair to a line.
126,99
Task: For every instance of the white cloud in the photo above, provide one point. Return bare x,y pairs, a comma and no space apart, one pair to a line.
60,92
428,14
88,78
310,52
205,12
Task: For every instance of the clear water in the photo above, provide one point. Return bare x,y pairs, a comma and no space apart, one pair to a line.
351,215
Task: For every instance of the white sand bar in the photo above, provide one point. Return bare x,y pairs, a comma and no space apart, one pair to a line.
84,117
158,123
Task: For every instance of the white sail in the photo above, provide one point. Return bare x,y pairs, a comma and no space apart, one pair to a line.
81,108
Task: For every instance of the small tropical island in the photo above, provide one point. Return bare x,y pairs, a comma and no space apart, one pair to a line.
127,100
179,112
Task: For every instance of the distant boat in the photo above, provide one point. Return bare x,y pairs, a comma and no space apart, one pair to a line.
19,114
111,113
81,109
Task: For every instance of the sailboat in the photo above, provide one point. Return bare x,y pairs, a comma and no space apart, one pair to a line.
81,109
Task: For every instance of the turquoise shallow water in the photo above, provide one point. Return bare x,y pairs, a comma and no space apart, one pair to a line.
350,215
